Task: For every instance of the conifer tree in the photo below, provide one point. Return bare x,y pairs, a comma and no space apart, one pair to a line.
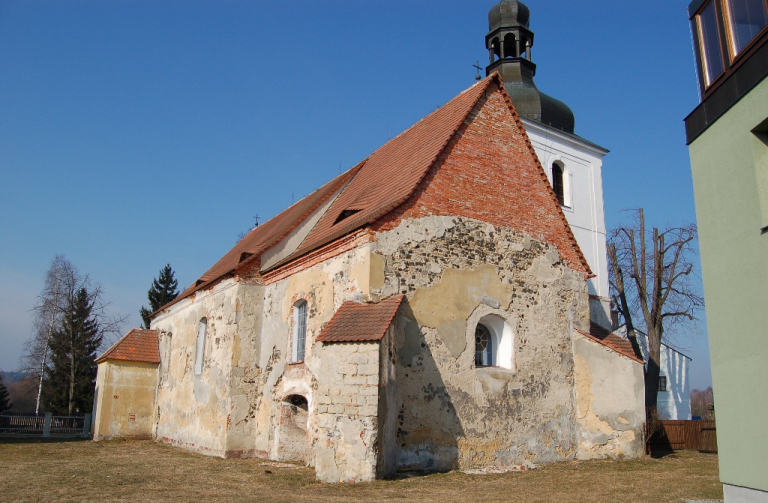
5,402
70,376
163,291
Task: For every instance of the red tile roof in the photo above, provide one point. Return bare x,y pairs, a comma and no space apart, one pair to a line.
376,186
267,235
355,322
390,175
612,341
138,345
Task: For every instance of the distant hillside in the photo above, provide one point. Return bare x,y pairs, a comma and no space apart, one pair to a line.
9,377
22,391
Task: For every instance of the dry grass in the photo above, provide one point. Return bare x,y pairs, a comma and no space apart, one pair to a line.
145,471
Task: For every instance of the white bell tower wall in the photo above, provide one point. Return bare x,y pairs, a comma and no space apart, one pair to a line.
581,162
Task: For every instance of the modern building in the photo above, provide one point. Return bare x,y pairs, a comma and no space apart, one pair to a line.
728,139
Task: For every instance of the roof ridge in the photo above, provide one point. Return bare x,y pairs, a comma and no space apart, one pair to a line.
430,114
442,148
342,185
377,213
203,281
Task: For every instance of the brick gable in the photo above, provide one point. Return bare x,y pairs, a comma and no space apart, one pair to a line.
490,172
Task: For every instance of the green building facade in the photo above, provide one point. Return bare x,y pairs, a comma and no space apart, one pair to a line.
728,140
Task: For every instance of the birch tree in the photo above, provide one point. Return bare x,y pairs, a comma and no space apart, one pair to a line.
652,282
61,282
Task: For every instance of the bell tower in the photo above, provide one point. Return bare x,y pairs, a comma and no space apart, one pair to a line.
572,164
509,42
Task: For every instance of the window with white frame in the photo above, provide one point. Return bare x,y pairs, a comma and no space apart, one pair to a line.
494,343
202,327
299,331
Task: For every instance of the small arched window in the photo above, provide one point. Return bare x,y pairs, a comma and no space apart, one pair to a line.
483,346
493,343
558,183
299,331
202,327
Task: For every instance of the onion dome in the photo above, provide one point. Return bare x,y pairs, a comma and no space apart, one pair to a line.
509,42
508,14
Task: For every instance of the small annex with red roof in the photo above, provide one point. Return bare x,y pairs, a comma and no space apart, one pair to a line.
417,312
126,384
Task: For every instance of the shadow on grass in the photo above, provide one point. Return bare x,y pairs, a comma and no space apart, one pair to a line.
658,452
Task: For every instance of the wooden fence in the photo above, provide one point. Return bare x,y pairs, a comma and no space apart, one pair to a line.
45,425
695,435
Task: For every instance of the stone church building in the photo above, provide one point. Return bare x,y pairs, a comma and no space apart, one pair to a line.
429,309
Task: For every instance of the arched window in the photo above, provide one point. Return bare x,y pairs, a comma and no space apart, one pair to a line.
558,183
483,346
200,346
493,343
299,331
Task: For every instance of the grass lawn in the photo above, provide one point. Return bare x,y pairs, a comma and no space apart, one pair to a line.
146,471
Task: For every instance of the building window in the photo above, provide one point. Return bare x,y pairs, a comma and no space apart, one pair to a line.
166,358
202,327
745,19
709,39
493,343
662,383
483,346
558,182
299,330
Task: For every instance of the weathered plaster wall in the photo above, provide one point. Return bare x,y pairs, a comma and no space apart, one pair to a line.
389,403
210,412
451,414
583,193
245,376
347,412
324,286
610,397
125,400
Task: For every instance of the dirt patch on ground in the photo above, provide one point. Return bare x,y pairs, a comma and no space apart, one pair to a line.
146,471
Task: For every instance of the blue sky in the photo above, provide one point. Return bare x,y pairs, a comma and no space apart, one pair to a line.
135,133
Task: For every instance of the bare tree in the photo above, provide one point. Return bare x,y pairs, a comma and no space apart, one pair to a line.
651,281
703,403
62,282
